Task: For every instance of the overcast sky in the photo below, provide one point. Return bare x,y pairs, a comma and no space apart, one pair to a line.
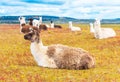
80,9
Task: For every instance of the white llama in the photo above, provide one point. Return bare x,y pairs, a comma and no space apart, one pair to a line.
58,56
22,22
73,28
40,22
101,33
52,24
92,28
36,23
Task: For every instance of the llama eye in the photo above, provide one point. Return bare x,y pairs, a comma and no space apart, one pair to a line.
30,34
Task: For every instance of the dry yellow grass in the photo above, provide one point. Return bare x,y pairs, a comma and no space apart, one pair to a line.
18,65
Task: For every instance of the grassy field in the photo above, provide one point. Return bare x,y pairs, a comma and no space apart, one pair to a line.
18,65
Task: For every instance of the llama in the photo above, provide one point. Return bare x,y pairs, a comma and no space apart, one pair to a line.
31,22
102,33
73,28
37,23
41,25
58,55
22,22
55,26
40,22
34,22
24,28
92,28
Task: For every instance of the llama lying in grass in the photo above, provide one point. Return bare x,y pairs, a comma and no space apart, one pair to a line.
101,33
24,28
55,26
73,28
58,56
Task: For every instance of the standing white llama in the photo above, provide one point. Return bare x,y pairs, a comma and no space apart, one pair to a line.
22,22
101,33
58,56
73,28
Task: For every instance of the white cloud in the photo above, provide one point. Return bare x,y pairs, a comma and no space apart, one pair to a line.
75,8
2,11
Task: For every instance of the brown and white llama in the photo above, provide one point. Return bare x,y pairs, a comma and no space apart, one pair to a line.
57,55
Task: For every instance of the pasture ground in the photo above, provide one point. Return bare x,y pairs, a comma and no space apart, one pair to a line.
18,65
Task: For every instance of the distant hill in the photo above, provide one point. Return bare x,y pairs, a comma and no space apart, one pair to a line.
58,20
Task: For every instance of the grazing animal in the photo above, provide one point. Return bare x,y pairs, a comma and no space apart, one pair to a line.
57,55
55,26
73,28
23,27
101,33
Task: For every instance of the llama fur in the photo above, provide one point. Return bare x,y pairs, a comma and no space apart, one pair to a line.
73,28
54,25
102,33
58,55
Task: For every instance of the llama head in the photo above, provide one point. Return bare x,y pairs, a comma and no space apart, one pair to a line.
33,35
31,19
22,20
97,25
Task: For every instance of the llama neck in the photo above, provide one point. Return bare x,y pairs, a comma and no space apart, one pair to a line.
39,53
97,26
37,47
70,24
37,44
